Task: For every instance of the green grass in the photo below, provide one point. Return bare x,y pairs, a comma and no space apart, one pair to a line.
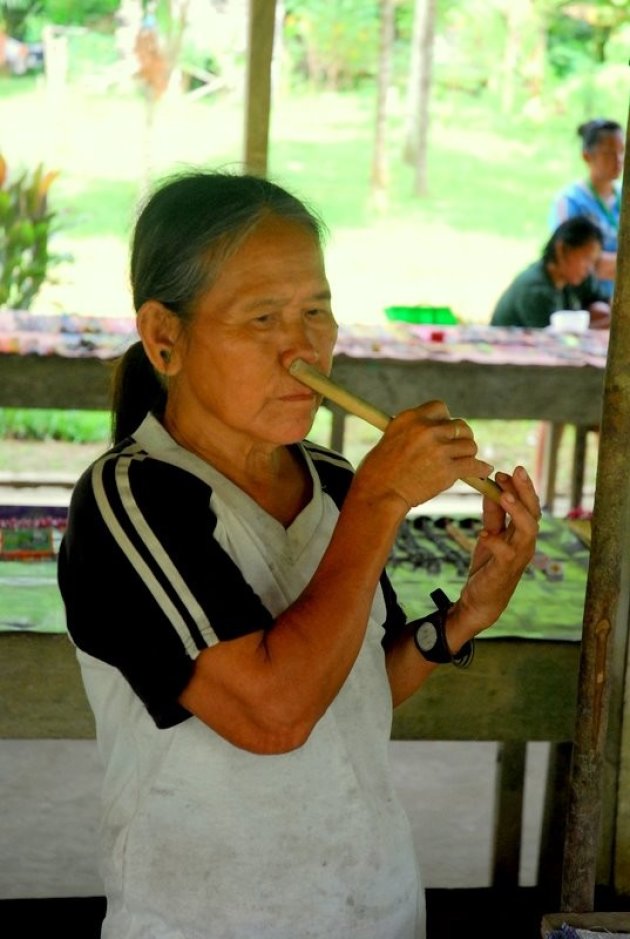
491,179
49,424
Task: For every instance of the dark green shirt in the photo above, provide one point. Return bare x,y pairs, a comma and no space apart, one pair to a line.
532,297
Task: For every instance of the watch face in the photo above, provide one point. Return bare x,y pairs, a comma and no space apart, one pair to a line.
426,636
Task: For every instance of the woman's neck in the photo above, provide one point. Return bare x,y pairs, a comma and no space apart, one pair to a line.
603,187
274,476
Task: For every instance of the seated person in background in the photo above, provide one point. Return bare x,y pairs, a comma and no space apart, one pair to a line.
598,196
562,279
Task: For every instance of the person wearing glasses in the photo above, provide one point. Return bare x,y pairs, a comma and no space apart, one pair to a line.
599,195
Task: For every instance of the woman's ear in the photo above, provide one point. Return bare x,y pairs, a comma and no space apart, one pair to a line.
160,330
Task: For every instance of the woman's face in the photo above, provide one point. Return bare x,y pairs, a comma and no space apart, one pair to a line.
605,160
269,305
575,264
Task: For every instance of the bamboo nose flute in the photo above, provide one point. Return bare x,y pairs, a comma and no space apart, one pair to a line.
360,408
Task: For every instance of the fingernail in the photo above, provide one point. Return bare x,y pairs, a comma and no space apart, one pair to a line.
522,473
501,476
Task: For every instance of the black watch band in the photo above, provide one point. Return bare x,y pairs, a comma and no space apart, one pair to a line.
429,635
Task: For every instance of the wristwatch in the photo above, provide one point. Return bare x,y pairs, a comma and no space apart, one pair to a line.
429,635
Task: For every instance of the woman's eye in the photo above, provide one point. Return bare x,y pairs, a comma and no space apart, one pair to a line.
317,311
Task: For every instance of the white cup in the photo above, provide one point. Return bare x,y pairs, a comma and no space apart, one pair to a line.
570,321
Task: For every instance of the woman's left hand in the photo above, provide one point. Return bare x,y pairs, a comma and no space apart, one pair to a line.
503,550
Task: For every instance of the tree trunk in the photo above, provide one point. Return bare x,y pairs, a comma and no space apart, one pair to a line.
425,46
379,160
258,85
411,140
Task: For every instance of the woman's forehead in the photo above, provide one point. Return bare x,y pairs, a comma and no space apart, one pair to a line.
277,258
612,142
276,241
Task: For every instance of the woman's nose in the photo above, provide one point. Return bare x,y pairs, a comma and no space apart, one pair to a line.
299,342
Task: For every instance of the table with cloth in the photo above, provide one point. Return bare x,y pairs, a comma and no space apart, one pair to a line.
484,372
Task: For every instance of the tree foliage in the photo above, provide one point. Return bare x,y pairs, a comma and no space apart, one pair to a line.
580,33
16,16
333,44
71,13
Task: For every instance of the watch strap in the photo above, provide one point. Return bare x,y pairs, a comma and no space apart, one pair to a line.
441,653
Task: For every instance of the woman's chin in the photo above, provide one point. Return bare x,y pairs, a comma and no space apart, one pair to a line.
297,431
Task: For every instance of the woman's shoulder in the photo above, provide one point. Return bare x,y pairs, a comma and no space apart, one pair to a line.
528,287
334,470
128,473
531,276
575,198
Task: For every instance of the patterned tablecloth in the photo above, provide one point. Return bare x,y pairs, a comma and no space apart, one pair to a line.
107,337
23,333
487,345
430,552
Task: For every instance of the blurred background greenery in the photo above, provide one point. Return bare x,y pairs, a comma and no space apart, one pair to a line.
510,82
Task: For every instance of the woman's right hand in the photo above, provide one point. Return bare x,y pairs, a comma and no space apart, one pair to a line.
600,315
422,452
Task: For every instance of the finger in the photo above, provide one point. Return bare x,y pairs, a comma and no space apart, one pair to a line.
435,410
521,486
508,562
456,429
512,553
461,429
526,491
524,523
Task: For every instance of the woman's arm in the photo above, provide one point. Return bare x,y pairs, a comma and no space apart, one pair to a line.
600,314
266,691
606,266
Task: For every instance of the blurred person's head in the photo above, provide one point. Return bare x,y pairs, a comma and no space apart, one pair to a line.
572,251
602,149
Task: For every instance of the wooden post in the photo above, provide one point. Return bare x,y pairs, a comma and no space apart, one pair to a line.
258,84
605,627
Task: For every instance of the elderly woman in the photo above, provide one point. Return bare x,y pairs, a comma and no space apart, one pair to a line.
240,643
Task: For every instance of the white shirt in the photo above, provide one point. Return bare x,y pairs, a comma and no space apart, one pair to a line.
203,839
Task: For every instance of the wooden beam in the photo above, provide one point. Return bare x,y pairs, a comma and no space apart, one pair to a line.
262,14
592,809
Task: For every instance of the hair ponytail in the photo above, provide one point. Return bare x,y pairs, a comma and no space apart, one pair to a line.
136,390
